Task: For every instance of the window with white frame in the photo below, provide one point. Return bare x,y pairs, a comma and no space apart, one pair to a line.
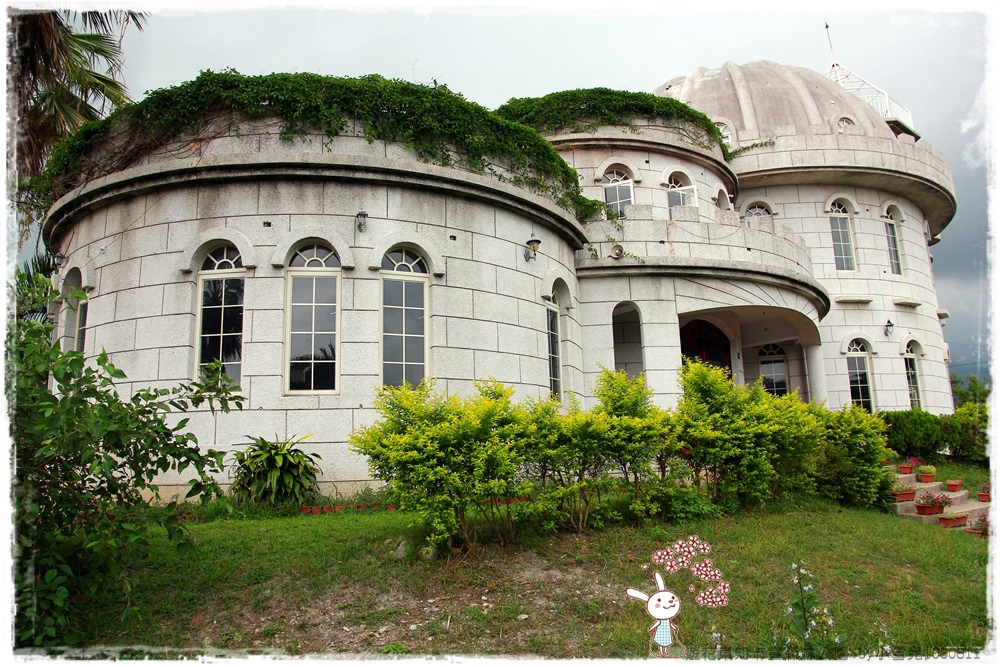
773,369
76,313
727,136
912,378
757,209
680,191
843,238
220,313
555,358
859,376
892,242
404,318
617,190
312,320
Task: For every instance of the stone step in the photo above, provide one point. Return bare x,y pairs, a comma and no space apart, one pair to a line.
963,502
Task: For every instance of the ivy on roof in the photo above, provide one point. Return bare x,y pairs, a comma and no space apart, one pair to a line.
586,109
441,126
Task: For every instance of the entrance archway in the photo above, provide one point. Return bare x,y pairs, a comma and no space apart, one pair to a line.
702,340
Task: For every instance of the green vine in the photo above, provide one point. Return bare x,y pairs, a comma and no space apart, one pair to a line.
584,110
730,154
625,253
442,127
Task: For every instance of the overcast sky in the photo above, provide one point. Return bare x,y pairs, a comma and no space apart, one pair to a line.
932,63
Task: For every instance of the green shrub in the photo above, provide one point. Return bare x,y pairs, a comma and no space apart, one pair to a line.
913,433
965,433
274,472
850,458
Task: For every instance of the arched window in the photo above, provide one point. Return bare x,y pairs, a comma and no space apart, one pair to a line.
859,374
843,123
843,238
773,370
555,346
722,200
890,220
757,209
617,190
404,318
727,136
680,191
312,320
912,378
75,329
220,287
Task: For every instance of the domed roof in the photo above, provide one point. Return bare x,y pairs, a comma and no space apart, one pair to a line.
763,99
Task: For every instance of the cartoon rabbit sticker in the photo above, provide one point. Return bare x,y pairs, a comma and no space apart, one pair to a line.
662,606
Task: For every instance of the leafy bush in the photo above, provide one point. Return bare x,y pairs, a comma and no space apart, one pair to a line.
86,459
965,433
913,433
274,472
850,458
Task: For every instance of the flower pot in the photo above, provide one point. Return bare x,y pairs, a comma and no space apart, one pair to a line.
390,508
904,496
339,508
905,469
326,508
954,486
885,462
924,477
984,496
952,521
980,533
929,509
311,509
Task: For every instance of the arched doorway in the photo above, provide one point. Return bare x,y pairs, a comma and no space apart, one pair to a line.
703,340
627,327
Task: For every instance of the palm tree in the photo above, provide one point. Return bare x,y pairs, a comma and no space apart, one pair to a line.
61,77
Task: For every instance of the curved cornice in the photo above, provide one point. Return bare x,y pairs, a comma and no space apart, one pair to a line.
330,167
685,267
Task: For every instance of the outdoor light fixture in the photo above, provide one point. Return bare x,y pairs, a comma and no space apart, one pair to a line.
59,259
888,328
532,244
362,219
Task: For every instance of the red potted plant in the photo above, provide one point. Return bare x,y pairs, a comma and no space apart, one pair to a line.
927,473
984,492
907,468
952,520
928,503
953,484
981,526
904,492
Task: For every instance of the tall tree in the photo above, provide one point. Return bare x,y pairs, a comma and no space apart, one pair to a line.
64,71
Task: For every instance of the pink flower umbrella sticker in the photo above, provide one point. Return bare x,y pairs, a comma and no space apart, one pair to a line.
663,605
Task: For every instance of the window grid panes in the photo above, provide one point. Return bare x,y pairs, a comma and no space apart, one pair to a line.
404,308
892,242
221,328
843,243
679,193
555,362
912,380
757,210
858,374
772,369
313,320
617,191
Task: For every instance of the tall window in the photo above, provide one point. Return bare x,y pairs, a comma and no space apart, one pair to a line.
680,191
404,321
858,374
76,313
220,284
312,320
772,369
912,380
617,190
892,242
555,361
843,241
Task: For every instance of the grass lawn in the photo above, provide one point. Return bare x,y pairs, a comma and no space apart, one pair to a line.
302,585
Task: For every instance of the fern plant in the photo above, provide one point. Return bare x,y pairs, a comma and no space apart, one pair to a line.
274,472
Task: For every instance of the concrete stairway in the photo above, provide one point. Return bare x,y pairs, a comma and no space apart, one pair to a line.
963,502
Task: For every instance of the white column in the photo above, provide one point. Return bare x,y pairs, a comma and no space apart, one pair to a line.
816,372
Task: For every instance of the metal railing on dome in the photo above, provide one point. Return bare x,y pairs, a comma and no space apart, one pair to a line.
877,98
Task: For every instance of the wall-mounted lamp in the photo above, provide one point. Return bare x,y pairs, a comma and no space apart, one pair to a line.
59,259
888,328
532,249
362,220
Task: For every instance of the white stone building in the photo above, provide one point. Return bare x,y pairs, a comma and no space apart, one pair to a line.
787,262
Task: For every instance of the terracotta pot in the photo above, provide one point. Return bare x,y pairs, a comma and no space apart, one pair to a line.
929,509
311,509
904,469
339,508
952,521
984,496
926,478
326,508
904,496
390,508
885,462
954,486
980,533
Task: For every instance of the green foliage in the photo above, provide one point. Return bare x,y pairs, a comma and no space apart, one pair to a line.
969,389
811,634
584,110
274,472
913,433
965,433
85,461
440,126
850,458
